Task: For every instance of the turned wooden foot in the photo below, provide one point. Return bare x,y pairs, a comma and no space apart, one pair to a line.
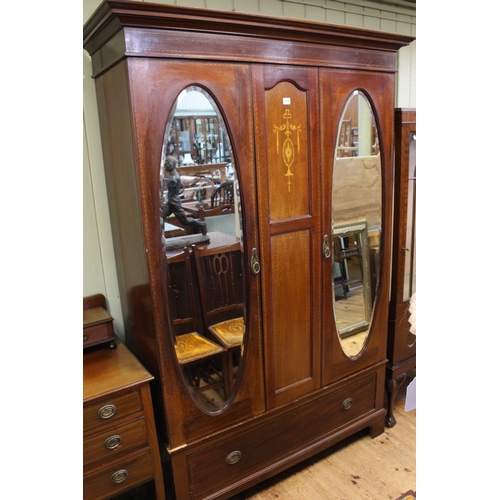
392,385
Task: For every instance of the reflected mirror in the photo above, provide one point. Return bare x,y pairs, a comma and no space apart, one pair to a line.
201,233
356,223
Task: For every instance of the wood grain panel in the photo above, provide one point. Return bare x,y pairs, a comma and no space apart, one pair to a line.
291,314
287,147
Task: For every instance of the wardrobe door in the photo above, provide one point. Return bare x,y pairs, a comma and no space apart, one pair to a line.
287,152
155,86
357,198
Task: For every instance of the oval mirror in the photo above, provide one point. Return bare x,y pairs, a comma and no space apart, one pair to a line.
356,223
202,238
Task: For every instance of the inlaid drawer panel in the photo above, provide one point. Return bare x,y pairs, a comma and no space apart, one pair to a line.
114,442
229,460
117,476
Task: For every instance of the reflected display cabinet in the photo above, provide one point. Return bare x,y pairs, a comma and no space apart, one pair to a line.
402,346
264,322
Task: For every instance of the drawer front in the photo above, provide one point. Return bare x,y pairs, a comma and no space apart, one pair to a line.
228,460
114,442
110,410
118,476
97,334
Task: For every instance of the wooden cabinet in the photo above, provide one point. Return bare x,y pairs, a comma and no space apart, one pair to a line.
120,446
97,323
281,87
402,346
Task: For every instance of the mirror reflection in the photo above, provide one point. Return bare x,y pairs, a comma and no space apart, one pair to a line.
201,232
410,281
410,273
356,223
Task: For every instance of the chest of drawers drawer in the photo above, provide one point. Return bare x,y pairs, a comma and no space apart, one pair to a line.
111,409
118,476
114,442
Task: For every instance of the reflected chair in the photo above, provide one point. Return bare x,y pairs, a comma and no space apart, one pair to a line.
220,279
223,195
221,203
341,253
204,361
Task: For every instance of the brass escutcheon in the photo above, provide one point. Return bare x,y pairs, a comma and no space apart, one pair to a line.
233,457
255,262
326,247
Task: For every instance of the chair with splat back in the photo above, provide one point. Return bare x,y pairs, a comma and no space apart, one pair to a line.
204,361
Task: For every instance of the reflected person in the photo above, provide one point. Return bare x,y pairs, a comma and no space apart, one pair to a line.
173,185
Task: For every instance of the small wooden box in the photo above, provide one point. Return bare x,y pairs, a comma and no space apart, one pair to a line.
97,322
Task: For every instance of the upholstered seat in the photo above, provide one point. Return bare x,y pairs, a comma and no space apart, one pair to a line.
192,347
229,333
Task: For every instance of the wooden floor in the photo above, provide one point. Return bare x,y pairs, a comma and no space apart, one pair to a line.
360,467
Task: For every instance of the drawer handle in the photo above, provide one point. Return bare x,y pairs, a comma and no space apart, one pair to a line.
347,403
233,457
85,337
119,476
107,411
113,442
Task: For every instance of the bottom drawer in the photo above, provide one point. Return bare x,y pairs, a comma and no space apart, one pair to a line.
115,477
229,460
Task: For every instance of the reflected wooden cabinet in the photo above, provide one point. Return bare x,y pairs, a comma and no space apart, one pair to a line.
280,88
402,347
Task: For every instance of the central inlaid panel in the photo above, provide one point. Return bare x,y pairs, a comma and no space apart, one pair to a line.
287,147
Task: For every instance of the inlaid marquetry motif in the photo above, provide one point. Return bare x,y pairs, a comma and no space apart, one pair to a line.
288,148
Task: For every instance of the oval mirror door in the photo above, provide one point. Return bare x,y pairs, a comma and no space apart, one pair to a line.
356,223
202,237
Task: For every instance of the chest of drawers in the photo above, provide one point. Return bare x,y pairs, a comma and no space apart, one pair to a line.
120,447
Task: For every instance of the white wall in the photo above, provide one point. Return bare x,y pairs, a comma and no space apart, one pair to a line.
99,270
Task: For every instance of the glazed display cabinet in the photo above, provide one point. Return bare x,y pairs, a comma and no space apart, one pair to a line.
260,358
402,343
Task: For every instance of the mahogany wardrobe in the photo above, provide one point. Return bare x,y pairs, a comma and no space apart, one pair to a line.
264,324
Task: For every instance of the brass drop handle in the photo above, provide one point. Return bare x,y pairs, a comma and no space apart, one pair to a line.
113,442
254,262
119,476
107,411
326,247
